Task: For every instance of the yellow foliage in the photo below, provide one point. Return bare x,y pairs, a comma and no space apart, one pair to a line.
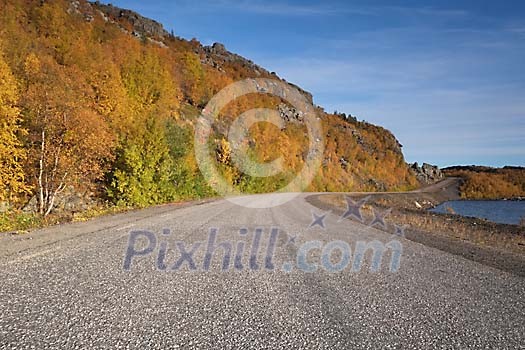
12,180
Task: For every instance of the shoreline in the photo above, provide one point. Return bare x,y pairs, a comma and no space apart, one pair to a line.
517,199
497,245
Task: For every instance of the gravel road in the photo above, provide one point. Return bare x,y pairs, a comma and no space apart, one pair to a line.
65,287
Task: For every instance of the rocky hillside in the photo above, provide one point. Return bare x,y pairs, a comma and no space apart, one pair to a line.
102,101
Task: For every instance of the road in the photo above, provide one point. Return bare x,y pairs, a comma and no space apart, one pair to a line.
65,287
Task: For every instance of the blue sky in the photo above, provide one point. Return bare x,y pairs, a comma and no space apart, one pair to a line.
446,77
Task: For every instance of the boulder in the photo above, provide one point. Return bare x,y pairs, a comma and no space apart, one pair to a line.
426,174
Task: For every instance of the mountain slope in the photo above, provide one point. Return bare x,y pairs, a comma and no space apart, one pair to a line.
108,102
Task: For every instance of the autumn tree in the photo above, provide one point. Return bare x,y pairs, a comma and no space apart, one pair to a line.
187,178
71,144
12,154
193,79
109,97
143,172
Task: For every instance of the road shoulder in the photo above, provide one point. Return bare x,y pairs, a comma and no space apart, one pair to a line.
494,245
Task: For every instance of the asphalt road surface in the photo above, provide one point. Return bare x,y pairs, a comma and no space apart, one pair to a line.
66,287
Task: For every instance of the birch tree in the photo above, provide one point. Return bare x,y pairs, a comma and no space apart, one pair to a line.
71,143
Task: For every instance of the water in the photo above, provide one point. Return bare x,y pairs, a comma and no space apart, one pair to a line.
503,212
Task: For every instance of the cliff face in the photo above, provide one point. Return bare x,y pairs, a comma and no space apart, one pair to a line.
118,74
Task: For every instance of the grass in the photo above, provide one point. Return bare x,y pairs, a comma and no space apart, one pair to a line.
98,211
17,221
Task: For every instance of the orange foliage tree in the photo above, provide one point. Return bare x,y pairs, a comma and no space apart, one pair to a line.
71,144
12,154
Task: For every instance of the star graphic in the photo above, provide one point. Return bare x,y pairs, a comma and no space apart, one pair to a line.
379,218
318,220
400,230
354,209
291,239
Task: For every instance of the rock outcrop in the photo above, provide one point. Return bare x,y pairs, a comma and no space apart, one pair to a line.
427,173
142,26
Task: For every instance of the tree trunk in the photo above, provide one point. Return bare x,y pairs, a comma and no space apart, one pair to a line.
40,175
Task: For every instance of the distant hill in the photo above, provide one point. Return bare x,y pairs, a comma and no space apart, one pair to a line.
482,182
104,101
